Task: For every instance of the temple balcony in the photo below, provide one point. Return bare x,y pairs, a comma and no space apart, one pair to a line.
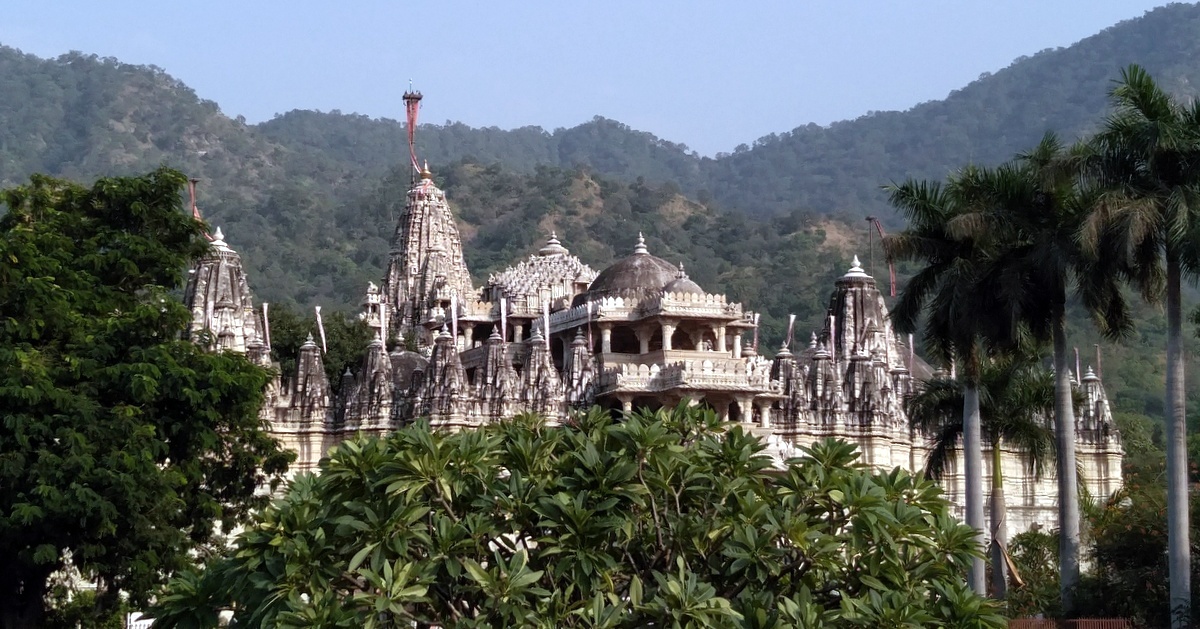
680,369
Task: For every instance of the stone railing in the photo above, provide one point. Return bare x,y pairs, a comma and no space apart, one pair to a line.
718,375
690,304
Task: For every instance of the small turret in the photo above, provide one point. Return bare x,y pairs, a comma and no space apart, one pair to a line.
579,372
541,389
310,392
442,396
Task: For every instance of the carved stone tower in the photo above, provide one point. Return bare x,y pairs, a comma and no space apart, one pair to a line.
426,265
220,299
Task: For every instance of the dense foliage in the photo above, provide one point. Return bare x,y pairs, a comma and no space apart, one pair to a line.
1129,576
668,519
122,447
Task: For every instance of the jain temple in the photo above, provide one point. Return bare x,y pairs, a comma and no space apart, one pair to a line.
550,335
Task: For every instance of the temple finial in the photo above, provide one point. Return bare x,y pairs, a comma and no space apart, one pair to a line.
641,245
856,269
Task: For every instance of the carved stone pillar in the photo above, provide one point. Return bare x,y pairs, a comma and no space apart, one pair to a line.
719,331
668,330
643,335
626,403
606,338
469,336
518,333
764,413
737,344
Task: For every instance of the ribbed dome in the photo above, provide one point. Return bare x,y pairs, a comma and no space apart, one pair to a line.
682,284
638,275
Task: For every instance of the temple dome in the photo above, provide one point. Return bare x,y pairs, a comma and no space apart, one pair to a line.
682,284
638,275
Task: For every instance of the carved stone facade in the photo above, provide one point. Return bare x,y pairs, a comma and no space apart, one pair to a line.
550,335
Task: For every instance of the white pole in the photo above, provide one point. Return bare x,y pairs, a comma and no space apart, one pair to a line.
503,318
383,329
546,322
321,329
266,325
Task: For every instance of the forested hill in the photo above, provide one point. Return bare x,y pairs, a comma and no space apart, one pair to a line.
79,116
834,170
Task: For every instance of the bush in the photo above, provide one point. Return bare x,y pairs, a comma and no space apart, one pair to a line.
662,519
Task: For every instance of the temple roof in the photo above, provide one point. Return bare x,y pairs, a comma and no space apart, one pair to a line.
553,265
682,284
635,276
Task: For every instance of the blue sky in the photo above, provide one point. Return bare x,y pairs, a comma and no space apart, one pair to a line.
710,75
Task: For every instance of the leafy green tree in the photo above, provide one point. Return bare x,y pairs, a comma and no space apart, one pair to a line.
1147,156
1130,575
122,447
665,519
1015,398
957,320
1031,210
1035,555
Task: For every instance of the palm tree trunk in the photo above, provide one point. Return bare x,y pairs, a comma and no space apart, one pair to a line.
1068,490
1178,549
999,526
973,464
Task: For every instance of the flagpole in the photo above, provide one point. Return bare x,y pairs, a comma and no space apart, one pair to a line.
321,329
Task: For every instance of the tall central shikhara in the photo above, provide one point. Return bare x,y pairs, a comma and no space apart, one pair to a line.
426,269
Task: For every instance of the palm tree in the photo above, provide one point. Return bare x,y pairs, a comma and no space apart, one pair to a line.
955,318
1015,398
1032,210
1147,156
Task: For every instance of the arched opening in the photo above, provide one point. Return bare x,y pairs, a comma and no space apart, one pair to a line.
656,340
480,334
681,339
415,380
557,352
735,411
612,405
624,341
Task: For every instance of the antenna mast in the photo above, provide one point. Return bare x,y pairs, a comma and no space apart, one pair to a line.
412,103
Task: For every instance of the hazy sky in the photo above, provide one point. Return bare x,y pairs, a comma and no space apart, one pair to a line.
710,75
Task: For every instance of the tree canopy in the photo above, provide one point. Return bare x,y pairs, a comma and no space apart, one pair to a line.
664,519
122,446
